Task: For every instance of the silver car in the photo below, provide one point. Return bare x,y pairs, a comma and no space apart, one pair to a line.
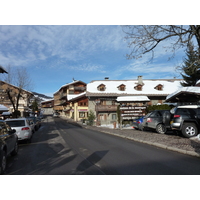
154,120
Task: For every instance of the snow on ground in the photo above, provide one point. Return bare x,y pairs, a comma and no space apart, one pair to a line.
111,126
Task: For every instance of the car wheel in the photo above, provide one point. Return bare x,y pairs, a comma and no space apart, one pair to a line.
161,128
189,130
3,162
15,151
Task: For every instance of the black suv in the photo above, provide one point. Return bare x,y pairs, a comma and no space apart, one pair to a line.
186,119
8,144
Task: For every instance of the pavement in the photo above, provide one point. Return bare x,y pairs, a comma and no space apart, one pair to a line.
169,141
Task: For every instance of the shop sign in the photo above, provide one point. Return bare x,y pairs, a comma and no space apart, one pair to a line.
82,110
131,112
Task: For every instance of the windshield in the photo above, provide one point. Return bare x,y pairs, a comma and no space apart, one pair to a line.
16,123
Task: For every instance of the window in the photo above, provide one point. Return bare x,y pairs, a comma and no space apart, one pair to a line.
16,123
138,87
82,103
71,91
159,87
114,116
101,87
113,103
121,87
156,114
81,114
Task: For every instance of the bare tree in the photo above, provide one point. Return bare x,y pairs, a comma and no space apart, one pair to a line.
143,39
19,78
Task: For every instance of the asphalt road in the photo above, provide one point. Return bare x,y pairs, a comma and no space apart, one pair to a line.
61,148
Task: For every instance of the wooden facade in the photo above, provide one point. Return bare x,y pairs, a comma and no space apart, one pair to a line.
24,101
103,95
70,101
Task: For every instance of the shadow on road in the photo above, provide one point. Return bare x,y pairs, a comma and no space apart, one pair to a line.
91,160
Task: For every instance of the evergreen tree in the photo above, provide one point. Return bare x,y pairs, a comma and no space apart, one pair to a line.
191,67
34,106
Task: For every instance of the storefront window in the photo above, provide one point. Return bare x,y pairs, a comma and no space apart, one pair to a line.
81,114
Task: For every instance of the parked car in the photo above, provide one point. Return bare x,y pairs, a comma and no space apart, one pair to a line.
155,120
36,122
8,144
186,119
137,123
23,127
55,114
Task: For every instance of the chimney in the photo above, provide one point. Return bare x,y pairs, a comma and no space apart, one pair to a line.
140,82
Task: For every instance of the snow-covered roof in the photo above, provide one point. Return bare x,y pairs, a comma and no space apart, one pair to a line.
76,81
6,113
3,108
191,89
148,88
70,97
17,87
46,100
132,98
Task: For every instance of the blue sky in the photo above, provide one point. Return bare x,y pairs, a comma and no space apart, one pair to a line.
54,55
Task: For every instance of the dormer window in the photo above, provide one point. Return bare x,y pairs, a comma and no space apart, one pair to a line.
101,87
159,87
138,87
121,87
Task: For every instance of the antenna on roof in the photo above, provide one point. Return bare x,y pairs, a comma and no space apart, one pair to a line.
73,79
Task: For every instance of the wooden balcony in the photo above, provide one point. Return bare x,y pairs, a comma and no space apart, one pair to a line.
104,108
81,88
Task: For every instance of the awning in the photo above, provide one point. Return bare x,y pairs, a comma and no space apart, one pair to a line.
132,98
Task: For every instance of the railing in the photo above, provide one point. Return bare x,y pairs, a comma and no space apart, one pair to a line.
80,88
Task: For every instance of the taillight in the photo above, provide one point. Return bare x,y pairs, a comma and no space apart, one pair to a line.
177,116
25,128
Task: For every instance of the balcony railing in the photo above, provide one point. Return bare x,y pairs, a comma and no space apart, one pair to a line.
79,88
99,108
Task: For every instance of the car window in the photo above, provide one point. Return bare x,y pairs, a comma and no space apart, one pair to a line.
156,114
185,112
147,115
16,123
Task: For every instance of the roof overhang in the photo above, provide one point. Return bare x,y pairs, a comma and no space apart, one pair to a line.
186,94
132,98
